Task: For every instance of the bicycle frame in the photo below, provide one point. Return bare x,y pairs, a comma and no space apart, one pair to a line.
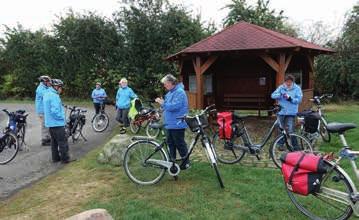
337,195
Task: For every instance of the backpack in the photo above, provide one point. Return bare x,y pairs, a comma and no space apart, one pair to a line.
225,121
302,172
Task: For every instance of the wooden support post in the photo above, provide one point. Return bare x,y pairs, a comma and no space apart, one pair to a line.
200,69
310,71
281,70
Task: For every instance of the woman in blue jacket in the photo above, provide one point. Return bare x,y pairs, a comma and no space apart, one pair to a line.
289,96
123,101
175,105
98,96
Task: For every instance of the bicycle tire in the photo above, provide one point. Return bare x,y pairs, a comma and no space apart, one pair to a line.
215,167
152,132
134,128
316,204
21,136
100,122
77,129
11,142
231,155
145,148
275,150
323,131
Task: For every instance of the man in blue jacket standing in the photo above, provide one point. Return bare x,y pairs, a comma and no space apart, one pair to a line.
55,121
98,96
123,102
175,105
41,89
289,96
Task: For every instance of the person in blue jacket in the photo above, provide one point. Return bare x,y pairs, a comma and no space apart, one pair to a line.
289,96
55,120
123,102
175,105
98,96
41,89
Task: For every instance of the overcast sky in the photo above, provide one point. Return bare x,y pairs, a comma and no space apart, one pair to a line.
37,14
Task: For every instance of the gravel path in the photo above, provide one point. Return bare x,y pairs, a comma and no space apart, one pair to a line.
32,164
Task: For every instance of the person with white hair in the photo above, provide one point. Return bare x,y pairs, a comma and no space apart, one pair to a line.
175,105
123,102
42,88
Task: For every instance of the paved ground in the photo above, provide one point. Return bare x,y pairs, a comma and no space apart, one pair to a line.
35,163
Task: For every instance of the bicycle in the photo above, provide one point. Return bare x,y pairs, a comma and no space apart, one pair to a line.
313,123
75,123
101,120
337,196
146,161
143,119
17,124
8,146
230,151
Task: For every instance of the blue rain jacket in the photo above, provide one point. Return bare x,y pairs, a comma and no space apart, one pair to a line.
40,91
98,95
288,107
53,110
124,97
175,105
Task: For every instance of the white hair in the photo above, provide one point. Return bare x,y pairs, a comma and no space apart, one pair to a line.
169,78
123,80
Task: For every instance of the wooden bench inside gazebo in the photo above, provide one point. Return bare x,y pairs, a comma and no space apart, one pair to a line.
240,66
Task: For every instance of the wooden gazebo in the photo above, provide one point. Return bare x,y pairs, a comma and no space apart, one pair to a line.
240,66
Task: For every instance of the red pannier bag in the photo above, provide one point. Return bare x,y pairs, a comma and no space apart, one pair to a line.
302,172
225,120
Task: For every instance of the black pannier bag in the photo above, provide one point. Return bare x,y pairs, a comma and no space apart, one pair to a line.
303,172
311,121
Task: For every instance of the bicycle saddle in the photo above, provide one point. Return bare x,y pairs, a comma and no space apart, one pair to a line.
156,125
336,127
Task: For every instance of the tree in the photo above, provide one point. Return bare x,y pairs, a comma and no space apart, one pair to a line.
260,15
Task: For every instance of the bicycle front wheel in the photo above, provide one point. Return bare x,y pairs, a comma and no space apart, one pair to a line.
323,131
282,144
100,122
137,165
331,201
8,148
228,153
21,136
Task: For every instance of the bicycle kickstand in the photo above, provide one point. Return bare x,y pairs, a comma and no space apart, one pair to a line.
83,136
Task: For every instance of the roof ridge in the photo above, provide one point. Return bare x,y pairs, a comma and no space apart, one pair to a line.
268,31
211,36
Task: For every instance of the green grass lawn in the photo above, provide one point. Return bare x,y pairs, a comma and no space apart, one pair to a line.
250,192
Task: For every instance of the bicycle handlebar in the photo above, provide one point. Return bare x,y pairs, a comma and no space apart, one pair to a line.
210,108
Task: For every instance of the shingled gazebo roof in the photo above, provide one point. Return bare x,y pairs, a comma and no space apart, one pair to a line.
244,36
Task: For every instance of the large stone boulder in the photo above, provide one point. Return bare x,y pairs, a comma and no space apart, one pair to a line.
93,214
113,151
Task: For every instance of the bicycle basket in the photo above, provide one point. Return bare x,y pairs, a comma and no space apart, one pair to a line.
311,122
193,123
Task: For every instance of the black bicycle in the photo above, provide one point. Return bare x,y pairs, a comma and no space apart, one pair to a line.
101,120
230,151
8,143
146,161
17,125
75,123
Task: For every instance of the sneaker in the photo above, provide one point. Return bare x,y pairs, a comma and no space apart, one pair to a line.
123,130
68,160
185,166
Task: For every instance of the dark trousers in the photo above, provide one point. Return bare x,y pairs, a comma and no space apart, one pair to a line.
175,140
122,116
98,107
288,122
59,144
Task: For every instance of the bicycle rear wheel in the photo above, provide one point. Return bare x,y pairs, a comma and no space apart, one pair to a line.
138,169
281,145
100,122
152,132
8,148
228,154
325,204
